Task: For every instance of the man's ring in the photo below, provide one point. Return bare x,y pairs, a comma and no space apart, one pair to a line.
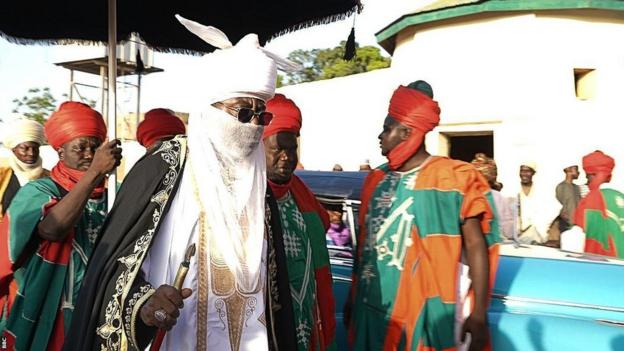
160,315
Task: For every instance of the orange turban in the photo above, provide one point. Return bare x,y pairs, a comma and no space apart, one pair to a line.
74,120
417,111
600,165
158,123
286,116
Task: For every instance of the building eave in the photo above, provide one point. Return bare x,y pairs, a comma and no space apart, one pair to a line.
386,37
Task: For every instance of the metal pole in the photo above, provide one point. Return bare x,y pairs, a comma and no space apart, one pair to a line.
104,100
112,91
71,85
138,109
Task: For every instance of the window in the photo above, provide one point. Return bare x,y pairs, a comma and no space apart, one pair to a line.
585,83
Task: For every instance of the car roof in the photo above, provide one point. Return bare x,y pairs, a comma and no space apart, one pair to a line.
343,185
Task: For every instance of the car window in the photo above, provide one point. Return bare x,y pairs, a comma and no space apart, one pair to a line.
343,228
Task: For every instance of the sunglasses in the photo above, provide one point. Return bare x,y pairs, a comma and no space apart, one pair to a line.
246,114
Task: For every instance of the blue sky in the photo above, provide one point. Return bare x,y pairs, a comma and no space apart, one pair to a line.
24,67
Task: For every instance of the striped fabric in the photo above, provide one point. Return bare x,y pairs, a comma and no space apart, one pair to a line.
40,279
409,248
601,215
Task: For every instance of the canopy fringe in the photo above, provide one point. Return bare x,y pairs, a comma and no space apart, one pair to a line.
318,21
50,42
306,24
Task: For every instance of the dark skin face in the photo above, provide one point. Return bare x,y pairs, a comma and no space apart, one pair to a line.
572,172
27,152
392,135
78,153
228,105
281,156
526,175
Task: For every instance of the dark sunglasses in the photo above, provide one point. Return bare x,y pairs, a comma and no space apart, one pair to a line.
245,114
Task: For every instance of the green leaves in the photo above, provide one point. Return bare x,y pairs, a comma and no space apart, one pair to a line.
37,104
328,63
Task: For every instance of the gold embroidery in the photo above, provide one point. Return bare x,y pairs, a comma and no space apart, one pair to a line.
202,298
222,280
272,262
113,332
237,305
262,318
137,307
235,309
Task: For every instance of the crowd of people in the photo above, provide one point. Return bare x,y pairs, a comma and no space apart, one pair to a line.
590,218
76,275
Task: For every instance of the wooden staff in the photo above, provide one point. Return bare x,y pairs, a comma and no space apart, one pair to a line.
177,283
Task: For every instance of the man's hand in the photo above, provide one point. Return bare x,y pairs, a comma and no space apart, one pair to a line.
168,300
107,157
477,327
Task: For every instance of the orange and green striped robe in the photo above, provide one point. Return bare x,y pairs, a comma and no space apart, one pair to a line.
601,215
405,277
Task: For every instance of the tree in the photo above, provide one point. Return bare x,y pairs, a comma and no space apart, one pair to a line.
321,64
37,104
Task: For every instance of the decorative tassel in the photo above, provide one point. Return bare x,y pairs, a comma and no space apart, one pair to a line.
350,46
140,67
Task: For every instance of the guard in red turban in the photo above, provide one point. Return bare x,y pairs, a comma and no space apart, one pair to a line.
413,107
51,227
421,213
158,124
79,124
598,167
72,120
601,212
286,116
306,220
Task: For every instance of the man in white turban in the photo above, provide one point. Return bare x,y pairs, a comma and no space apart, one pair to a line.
536,206
23,138
209,190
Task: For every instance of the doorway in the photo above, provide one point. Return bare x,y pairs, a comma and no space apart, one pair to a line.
464,145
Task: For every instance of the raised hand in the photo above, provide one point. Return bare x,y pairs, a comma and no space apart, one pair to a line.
107,157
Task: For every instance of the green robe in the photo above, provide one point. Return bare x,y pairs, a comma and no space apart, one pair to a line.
304,224
601,215
41,279
409,249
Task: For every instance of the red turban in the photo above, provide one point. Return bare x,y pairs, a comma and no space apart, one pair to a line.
74,120
600,165
286,116
416,111
158,123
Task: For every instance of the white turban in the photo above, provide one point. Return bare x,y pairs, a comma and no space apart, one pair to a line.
569,161
21,131
243,70
529,163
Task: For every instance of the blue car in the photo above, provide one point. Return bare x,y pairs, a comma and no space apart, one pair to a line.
544,298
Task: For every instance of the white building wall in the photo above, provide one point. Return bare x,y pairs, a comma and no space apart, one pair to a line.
517,69
508,73
342,118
